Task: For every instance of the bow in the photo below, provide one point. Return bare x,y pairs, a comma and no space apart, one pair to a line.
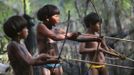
114,53
64,41
68,21
97,51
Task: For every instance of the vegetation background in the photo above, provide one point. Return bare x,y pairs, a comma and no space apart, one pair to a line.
118,20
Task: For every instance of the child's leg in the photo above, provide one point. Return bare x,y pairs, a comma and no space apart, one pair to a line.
45,71
58,71
103,71
94,72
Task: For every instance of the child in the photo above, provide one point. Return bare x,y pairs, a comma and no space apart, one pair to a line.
93,22
19,57
46,37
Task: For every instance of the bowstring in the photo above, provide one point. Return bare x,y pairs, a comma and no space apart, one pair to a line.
64,41
97,51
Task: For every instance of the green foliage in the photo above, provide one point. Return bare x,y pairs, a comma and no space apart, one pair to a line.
126,4
37,4
11,7
27,5
6,12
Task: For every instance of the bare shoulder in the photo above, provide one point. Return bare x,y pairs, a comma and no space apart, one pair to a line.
12,46
41,28
40,25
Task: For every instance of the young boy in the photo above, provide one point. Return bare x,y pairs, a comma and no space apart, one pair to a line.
93,22
19,57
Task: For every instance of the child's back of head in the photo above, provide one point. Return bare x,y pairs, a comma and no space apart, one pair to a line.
14,25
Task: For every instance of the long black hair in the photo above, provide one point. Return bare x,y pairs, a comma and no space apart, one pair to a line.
14,25
46,12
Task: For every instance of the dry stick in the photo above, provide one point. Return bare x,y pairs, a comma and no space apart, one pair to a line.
113,38
91,62
118,58
118,39
124,56
116,54
121,40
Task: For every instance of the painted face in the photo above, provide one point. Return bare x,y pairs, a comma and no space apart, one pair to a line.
55,19
24,33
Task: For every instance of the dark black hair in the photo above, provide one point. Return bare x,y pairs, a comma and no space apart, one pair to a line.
29,20
92,19
47,11
14,25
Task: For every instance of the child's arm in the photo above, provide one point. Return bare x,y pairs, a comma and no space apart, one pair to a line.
106,49
112,52
87,38
121,56
46,32
84,50
25,56
49,33
40,59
